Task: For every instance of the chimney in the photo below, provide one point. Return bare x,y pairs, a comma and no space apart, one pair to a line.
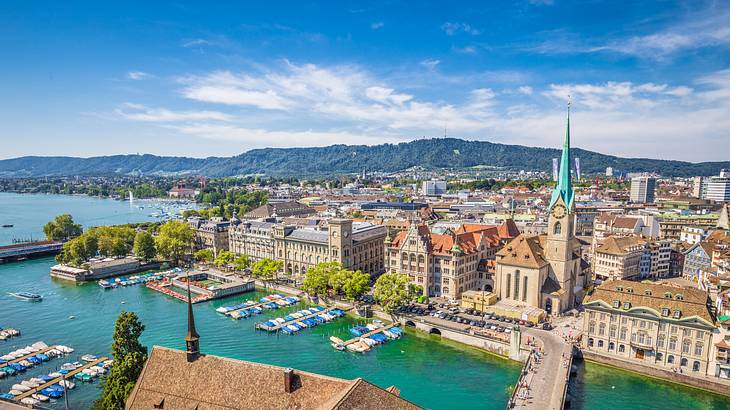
289,380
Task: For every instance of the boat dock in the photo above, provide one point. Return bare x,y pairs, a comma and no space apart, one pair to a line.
32,354
58,379
374,332
256,305
299,319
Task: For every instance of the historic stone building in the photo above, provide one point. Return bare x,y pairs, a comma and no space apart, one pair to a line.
357,246
660,325
546,271
211,234
446,264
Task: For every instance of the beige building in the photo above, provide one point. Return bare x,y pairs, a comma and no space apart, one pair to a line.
210,234
445,264
618,258
357,246
280,210
659,325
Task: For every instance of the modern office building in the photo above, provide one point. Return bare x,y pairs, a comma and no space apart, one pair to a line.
434,188
642,189
718,187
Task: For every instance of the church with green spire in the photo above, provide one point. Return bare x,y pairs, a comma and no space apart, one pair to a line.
546,271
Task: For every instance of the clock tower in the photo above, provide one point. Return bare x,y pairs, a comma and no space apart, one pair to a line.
559,245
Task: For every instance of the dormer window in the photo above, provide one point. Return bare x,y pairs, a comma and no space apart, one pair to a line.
647,292
665,312
668,295
627,305
629,290
616,304
620,288
679,296
677,314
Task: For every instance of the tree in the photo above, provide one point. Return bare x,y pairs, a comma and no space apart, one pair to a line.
204,255
224,258
62,228
174,240
242,262
337,277
144,246
393,290
266,269
357,284
317,280
129,358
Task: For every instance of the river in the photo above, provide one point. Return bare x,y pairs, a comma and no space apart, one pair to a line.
433,373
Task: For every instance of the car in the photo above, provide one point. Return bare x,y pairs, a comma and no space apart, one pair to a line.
469,311
500,318
529,324
521,322
472,323
547,326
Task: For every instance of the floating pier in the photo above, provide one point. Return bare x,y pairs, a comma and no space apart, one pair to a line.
58,379
260,305
32,354
374,332
277,327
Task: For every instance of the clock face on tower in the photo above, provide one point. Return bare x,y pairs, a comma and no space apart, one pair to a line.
559,211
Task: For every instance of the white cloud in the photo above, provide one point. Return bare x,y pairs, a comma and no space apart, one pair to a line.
138,112
465,50
452,29
525,89
430,63
196,43
299,105
377,25
137,75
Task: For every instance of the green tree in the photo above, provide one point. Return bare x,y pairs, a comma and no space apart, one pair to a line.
204,255
357,284
393,290
129,358
62,228
144,246
174,240
317,279
224,258
242,262
337,277
266,269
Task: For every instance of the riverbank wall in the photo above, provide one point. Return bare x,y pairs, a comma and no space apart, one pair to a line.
703,383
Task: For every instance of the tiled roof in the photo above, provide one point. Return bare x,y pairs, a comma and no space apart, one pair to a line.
619,245
524,250
467,236
653,295
212,382
508,229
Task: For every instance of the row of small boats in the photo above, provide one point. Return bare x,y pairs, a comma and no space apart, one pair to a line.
130,281
305,318
365,343
56,390
32,357
250,307
9,332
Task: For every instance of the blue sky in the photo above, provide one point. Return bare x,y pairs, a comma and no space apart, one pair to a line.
647,79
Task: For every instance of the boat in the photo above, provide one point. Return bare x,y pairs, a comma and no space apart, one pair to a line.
39,397
31,297
88,358
67,384
29,401
7,225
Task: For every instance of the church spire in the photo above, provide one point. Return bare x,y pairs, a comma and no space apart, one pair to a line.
192,340
564,188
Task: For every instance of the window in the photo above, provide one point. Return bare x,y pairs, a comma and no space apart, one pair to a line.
672,343
557,228
677,314
611,345
623,333
670,359
616,304
600,343
591,327
629,290
627,305
612,331
601,329
698,349
660,341
659,357
683,362
696,366
665,312
590,342
668,295
647,292
679,296
621,348
685,346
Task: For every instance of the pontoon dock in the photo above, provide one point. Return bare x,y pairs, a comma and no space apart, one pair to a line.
280,325
374,332
58,379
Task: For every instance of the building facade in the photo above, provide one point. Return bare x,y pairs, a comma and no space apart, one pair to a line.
718,187
658,325
210,234
642,189
446,264
434,188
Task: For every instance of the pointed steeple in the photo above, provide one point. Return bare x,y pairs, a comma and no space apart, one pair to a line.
192,339
564,188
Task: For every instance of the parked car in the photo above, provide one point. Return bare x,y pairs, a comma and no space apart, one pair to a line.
547,326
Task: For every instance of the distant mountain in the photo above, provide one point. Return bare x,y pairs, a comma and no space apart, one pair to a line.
335,159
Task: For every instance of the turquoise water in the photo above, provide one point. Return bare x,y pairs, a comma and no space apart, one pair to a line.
428,372
431,372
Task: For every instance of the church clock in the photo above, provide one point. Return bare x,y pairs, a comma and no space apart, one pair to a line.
559,211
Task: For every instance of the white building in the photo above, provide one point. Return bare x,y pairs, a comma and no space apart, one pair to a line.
718,187
434,188
642,189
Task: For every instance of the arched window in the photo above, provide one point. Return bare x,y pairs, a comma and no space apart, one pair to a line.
696,366
590,342
600,343
670,359
659,357
683,362
621,348
611,345
557,228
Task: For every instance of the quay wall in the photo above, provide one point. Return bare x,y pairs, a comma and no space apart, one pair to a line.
490,345
704,383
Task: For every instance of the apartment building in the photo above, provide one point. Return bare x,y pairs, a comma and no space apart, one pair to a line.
211,234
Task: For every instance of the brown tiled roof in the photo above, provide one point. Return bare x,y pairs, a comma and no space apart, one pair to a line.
467,236
524,250
212,382
619,245
693,302
625,222
508,229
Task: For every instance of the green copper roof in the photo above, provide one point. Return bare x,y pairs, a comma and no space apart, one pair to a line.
564,188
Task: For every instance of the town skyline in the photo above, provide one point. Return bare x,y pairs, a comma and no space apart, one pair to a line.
202,81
